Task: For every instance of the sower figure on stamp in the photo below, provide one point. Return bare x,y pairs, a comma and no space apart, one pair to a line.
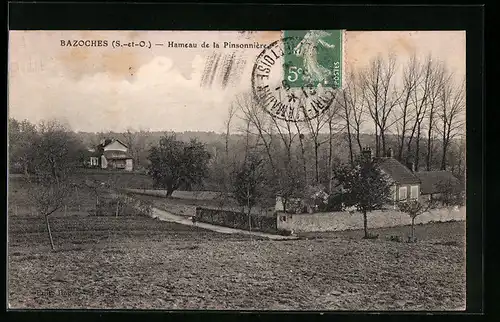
308,49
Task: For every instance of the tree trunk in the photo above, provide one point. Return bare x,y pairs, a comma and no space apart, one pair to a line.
316,161
365,224
429,139
412,229
443,159
170,191
349,141
358,140
417,150
382,137
50,233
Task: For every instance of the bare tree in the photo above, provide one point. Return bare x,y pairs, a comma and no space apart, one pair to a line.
411,75
54,156
419,101
351,101
451,113
414,208
435,88
257,119
381,97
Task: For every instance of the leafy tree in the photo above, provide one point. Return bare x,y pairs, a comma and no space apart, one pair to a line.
414,208
451,194
174,163
21,134
248,184
363,186
52,157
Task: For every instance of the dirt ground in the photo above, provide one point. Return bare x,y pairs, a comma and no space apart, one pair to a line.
138,262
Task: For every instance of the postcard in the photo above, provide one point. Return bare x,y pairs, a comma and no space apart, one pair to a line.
237,170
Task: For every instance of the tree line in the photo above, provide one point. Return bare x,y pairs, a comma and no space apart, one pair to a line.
415,109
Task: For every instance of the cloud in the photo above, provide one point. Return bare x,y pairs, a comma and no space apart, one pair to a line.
157,97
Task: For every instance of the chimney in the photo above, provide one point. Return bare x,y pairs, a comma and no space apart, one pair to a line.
389,153
411,166
367,153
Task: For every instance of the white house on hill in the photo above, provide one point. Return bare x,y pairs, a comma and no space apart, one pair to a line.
111,154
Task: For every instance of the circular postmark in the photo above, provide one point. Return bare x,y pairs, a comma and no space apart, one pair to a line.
284,88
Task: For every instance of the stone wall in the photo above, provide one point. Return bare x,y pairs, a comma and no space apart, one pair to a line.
338,221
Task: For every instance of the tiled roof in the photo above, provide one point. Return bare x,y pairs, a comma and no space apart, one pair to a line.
432,180
397,171
116,155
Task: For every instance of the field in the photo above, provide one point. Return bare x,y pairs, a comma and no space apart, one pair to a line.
136,262
139,262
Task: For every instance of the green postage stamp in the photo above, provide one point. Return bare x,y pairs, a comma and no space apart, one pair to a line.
297,77
316,58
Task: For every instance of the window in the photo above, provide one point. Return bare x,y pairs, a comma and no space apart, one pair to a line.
93,161
414,192
403,193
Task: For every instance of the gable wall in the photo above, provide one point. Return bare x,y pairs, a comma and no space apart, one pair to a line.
115,146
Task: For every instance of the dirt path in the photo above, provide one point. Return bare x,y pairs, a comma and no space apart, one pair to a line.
166,216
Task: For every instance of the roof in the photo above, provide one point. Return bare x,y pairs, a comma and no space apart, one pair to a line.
432,181
116,155
397,171
111,141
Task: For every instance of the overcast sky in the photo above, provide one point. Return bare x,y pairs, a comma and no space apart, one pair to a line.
158,88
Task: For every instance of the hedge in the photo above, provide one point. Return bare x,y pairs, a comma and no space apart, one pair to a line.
237,220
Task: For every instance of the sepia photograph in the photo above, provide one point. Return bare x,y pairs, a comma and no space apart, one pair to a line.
282,170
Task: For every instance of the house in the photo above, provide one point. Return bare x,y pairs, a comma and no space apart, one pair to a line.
404,181
110,154
435,183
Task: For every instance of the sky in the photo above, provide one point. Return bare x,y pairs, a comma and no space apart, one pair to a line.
162,88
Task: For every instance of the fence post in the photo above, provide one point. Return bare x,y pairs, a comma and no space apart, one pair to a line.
65,209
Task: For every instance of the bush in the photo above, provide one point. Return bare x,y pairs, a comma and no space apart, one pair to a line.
235,219
284,232
144,208
395,238
335,203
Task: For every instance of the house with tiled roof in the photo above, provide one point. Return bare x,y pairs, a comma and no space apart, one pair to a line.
434,183
404,181
110,154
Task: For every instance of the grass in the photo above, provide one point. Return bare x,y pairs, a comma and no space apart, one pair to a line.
142,263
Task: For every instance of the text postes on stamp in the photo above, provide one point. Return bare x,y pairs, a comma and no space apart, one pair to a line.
296,78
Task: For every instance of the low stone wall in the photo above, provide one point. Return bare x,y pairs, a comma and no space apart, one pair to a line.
338,221
236,220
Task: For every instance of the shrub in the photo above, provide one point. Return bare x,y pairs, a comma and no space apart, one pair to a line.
284,232
395,238
335,203
145,208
